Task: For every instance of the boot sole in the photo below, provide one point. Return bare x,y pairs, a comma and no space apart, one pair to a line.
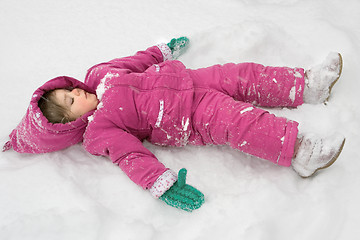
333,83
330,162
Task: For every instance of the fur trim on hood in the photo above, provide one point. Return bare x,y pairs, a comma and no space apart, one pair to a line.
35,134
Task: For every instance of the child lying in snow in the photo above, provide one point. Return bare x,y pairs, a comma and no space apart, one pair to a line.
148,96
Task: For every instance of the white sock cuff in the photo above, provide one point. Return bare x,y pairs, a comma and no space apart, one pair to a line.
166,51
163,183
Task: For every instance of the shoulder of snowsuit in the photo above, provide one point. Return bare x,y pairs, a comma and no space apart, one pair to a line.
35,134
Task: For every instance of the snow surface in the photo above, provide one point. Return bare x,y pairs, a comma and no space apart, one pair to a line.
72,195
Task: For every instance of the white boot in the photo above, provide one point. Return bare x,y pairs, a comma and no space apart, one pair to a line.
320,79
315,153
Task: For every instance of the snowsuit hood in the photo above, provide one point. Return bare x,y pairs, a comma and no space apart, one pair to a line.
35,134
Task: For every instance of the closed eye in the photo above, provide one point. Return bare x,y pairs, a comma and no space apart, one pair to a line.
71,98
68,100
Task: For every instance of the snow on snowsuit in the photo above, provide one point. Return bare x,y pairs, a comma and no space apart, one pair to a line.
145,97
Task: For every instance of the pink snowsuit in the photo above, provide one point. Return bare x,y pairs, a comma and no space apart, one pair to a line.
144,97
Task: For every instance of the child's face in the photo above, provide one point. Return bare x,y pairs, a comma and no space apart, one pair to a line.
77,101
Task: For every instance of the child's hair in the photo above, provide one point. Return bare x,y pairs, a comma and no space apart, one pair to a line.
52,110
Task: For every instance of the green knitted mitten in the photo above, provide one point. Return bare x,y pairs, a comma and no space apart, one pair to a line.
178,46
182,195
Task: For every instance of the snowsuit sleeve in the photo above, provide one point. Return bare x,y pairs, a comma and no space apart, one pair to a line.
128,152
137,63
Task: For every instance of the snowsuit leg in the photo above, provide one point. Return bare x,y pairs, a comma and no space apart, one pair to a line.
222,113
254,83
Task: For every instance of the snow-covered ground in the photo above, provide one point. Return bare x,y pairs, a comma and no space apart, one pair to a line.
73,195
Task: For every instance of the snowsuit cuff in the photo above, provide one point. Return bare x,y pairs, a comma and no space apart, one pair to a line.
163,183
166,51
287,153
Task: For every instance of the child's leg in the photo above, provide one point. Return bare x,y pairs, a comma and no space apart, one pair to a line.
219,119
254,83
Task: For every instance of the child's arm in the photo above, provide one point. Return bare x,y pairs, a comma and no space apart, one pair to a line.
142,167
142,60
137,63
128,152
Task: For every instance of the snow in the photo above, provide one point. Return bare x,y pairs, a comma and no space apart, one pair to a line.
102,87
246,110
292,93
161,113
71,194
